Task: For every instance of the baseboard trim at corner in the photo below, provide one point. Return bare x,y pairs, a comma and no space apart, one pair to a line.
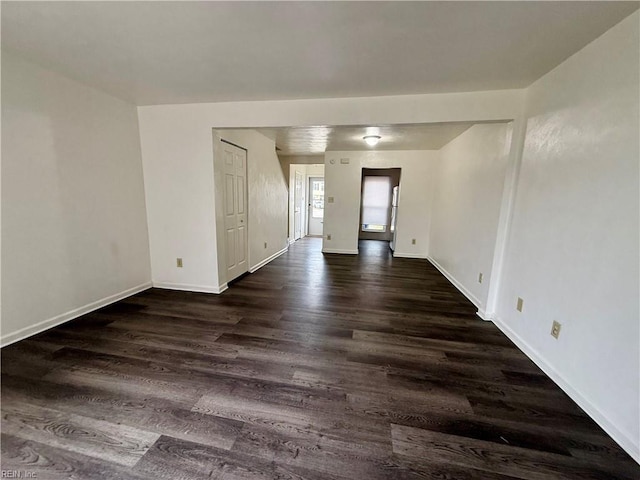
70,315
341,251
487,317
596,415
185,287
472,298
292,241
257,267
409,255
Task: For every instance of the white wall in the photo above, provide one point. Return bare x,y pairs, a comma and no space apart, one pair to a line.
177,148
467,195
74,228
343,183
573,251
267,196
287,160
181,199
315,170
179,187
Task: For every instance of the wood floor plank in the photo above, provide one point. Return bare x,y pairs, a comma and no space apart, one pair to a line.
332,367
482,455
31,459
115,443
185,343
153,414
327,455
172,459
339,423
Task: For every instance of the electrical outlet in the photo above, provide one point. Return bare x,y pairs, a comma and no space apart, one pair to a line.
480,277
519,304
179,262
329,237
329,199
555,329
265,244
413,241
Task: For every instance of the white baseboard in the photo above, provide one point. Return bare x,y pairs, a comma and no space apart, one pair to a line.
267,260
291,241
70,315
472,298
185,287
339,250
487,317
409,255
623,440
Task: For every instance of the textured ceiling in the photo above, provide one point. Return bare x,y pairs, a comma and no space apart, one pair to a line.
183,52
317,140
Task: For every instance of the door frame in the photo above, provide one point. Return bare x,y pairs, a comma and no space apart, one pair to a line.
218,179
309,177
301,202
395,174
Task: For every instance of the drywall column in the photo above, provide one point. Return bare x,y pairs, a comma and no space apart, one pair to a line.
517,135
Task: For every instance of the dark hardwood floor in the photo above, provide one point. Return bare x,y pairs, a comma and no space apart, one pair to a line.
315,367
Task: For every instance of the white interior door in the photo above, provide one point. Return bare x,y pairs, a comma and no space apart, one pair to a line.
316,205
298,202
235,209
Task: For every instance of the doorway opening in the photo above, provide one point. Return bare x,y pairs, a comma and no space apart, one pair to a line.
379,204
316,207
306,200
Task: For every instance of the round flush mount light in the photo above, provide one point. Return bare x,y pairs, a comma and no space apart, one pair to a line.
371,140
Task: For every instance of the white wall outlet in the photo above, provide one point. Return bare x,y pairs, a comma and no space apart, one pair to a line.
344,161
413,241
329,199
179,262
519,304
555,329
265,244
480,277
329,237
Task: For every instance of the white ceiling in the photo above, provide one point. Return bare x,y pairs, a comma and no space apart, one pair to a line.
316,140
183,52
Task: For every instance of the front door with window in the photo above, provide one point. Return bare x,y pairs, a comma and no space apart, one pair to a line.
316,205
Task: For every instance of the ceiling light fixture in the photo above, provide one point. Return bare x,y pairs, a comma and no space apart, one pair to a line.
371,140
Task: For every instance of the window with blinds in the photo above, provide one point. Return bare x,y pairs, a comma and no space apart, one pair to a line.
376,199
